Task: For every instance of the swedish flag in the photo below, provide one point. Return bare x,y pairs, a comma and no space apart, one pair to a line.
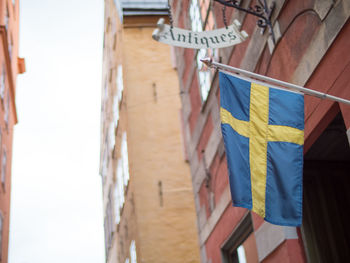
263,130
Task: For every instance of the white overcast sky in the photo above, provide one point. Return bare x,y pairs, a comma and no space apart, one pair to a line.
56,206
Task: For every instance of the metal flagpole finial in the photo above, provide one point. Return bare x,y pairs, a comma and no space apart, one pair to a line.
207,61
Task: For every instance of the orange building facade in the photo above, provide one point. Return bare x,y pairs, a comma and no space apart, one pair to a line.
10,67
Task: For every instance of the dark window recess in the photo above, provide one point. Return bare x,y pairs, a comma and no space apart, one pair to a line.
154,88
233,251
326,228
160,192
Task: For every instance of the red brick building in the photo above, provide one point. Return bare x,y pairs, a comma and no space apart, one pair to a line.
312,49
10,66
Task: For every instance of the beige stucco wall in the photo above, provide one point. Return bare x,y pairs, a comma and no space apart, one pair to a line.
163,226
165,232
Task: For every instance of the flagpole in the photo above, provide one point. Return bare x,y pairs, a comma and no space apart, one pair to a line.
210,63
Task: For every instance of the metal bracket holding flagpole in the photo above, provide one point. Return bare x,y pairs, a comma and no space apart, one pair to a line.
260,10
281,84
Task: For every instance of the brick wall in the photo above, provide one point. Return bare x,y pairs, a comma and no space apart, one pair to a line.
312,38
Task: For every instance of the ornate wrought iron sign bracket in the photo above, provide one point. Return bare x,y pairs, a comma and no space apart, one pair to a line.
260,10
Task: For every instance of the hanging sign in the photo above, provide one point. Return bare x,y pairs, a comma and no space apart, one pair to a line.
218,38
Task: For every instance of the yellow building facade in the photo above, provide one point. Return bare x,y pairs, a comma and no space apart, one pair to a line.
147,191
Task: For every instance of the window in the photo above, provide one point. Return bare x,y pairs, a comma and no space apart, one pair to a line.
2,83
108,223
104,100
114,33
120,85
10,46
119,197
201,14
1,224
118,5
0,139
122,179
105,161
125,159
111,133
111,70
7,109
3,168
116,110
109,211
114,41
7,18
108,24
105,94
120,182
233,251
195,15
237,255
133,258
117,204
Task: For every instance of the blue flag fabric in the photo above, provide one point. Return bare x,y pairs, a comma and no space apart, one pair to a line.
263,131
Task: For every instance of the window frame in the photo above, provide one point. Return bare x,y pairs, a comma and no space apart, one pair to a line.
116,115
132,251
3,167
240,234
119,192
122,179
108,223
205,77
118,6
1,230
7,17
3,84
119,82
7,109
125,159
